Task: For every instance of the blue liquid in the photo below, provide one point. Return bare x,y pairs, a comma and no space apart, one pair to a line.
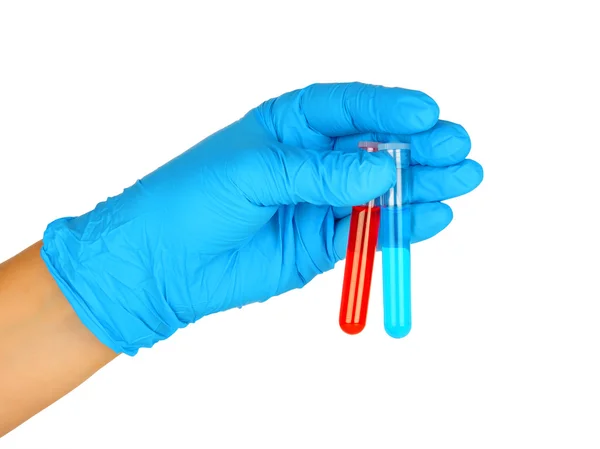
394,236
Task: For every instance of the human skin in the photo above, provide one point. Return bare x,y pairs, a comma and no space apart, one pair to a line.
45,350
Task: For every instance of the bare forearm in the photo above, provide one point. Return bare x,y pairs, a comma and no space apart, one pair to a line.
45,351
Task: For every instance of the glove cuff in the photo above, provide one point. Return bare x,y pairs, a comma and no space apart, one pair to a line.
113,297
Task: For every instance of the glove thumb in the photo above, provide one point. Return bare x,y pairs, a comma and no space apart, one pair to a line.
282,175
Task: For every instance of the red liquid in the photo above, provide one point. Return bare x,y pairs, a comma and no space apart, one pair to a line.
362,243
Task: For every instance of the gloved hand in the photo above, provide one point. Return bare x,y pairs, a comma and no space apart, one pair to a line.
257,209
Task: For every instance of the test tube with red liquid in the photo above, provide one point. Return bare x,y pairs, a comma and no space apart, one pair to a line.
362,244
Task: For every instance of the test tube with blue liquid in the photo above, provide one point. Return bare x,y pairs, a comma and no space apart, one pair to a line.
394,238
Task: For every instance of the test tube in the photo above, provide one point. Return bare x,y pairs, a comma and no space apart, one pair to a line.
395,244
362,243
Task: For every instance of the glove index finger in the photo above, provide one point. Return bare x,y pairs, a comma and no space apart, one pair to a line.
350,108
445,144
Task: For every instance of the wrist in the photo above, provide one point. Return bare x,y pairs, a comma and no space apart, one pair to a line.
45,350
22,277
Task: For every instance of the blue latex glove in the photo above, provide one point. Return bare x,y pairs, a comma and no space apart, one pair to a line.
257,209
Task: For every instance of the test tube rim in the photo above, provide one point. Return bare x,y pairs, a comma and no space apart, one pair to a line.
394,146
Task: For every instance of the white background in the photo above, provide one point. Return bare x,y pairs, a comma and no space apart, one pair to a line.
504,347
